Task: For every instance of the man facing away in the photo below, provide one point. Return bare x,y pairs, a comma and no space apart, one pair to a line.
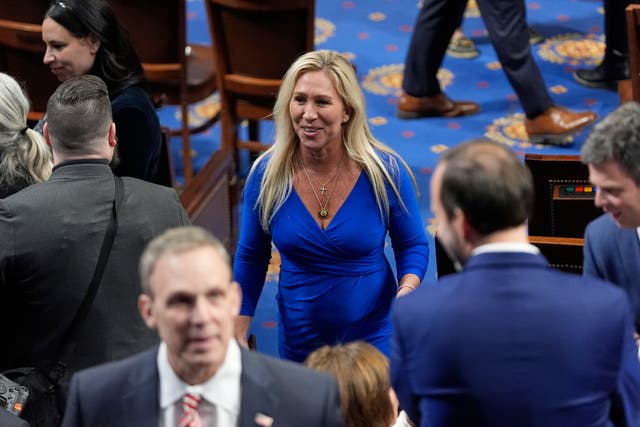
51,234
508,341
199,375
611,245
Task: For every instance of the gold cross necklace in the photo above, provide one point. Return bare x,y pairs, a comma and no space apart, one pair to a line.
323,212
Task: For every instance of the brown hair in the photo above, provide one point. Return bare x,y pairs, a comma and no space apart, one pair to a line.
363,378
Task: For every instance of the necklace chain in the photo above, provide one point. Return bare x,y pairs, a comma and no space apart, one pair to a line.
323,212
323,187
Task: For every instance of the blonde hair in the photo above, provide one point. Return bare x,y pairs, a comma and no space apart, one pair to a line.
363,379
361,146
25,157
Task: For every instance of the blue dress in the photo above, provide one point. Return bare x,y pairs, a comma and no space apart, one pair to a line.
335,285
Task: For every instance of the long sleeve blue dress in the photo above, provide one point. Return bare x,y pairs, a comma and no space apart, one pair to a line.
335,285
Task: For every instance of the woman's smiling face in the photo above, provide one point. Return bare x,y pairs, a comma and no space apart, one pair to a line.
67,56
317,111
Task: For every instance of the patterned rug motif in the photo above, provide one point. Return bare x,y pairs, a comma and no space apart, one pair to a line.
374,34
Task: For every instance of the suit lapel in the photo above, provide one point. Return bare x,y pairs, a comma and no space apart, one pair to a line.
140,404
629,253
255,395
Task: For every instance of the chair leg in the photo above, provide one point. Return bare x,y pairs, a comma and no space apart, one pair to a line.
186,144
254,130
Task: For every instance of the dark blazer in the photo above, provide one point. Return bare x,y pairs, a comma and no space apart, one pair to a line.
512,342
126,393
7,419
138,131
613,254
50,238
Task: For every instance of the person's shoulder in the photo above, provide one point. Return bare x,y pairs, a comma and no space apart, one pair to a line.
147,189
132,97
118,370
290,371
426,297
258,170
28,196
603,222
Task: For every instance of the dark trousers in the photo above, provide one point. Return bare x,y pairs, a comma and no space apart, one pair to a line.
615,28
506,24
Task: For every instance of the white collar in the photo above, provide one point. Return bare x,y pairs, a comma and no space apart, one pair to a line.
223,389
506,247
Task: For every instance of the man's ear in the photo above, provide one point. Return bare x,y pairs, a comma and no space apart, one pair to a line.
467,229
145,306
113,141
45,132
236,297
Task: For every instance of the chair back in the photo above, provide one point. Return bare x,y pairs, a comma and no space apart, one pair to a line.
156,29
633,33
30,11
255,42
22,51
175,73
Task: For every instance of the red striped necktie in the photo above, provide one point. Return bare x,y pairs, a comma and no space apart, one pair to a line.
190,416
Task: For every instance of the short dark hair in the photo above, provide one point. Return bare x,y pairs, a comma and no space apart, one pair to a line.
78,113
176,240
617,138
489,183
116,61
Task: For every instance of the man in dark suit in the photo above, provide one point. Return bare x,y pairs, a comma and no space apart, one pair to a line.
199,373
508,341
507,27
51,234
611,245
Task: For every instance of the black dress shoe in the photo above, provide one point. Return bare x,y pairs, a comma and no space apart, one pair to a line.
534,36
603,76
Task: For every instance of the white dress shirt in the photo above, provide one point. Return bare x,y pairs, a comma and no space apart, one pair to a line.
220,394
506,247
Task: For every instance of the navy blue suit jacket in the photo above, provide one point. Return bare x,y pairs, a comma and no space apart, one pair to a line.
126,393
511,342
613,254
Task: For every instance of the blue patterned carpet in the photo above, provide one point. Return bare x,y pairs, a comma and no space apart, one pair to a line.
375,35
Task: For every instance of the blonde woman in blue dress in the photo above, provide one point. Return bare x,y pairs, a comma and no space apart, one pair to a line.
327,194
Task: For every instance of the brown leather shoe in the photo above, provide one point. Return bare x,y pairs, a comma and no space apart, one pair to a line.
411,107
557,125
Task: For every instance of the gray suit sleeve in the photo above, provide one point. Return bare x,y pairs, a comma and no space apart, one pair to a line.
72,415
333,410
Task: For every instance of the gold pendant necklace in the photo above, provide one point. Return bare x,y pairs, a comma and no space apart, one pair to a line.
323,212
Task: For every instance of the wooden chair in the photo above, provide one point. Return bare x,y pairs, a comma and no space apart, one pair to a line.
563,199
210,198
177,73
255,42
28,11
633,33
21,53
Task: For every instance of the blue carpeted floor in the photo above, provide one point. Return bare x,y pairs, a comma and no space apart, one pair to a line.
375,35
